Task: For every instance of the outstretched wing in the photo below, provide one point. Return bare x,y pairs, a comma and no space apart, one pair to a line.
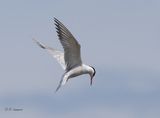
58,55
72,55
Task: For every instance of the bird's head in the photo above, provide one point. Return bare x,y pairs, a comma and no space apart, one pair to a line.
92,74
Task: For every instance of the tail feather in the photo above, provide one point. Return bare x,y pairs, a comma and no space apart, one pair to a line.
62,82
59,86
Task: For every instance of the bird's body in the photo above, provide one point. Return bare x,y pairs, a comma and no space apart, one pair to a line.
70,60
79,70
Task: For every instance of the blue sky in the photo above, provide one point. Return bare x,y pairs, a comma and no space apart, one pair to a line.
119,38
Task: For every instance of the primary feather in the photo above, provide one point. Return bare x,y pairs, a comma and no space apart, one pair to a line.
72,53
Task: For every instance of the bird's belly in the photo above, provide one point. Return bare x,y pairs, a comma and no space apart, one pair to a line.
76,72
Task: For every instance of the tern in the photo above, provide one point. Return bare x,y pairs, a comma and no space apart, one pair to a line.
70,59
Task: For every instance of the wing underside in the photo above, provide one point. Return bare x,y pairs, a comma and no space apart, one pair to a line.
58,55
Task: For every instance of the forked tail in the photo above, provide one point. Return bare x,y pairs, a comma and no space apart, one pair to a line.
62,82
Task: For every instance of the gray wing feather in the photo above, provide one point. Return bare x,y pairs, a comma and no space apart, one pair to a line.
72,54
58,55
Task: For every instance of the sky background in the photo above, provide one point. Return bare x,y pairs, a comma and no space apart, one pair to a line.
120,38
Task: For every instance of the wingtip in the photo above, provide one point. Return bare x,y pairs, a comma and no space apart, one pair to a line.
38,43
56,20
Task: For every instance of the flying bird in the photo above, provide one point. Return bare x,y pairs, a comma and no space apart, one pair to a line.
70,59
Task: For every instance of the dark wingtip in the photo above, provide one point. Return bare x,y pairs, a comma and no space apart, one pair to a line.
56,20
39,44
56,23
